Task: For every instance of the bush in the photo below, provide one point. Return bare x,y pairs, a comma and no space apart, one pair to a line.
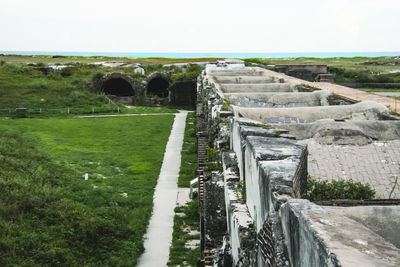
318,190
191,73
356,76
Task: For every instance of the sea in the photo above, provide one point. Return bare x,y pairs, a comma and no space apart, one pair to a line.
207,55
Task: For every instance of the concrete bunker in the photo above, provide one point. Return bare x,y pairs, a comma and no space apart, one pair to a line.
157,84
117,84
118,87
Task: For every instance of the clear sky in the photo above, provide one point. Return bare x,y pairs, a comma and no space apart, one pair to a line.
200,26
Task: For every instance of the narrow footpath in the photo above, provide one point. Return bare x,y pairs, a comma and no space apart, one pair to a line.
159,232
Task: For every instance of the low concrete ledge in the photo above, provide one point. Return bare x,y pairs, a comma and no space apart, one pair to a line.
368,110
376,130
305,247
246,71
280,100
246,79
256,88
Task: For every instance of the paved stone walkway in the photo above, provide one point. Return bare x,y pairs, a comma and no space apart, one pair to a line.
347,92
159,232
377,164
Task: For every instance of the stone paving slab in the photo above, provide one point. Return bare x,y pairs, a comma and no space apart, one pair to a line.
377,164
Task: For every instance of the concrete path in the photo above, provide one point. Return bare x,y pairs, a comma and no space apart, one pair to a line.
347,92
159,232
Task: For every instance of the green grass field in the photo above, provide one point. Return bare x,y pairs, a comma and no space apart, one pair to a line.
188,168
51,216
23,86
80,59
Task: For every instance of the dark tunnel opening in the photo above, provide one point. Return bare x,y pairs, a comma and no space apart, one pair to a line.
118,87
158,86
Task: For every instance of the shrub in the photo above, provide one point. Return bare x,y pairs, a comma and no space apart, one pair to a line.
213,160
318,190
191,73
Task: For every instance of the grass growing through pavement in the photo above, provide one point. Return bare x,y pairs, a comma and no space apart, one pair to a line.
187,220
51,216
189,152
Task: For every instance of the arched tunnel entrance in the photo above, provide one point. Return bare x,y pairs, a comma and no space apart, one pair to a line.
158,86
118,87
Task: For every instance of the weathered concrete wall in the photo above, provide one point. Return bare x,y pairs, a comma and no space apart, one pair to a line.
240,223
304,246
270,166
269,225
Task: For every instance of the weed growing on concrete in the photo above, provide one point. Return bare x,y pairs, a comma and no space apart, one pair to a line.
213,160
318,190
226,104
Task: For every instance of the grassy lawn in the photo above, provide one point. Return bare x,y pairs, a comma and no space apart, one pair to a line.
51,216
189,152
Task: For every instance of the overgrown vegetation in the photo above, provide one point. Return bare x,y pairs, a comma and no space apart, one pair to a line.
51,216
59,93
190,74
240,191
189,152
320,190
342,75
213,160
185,221
226,104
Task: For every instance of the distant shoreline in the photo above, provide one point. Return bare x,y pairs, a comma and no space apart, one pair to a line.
204,55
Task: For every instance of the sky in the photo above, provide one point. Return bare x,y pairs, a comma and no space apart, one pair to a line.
206,26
